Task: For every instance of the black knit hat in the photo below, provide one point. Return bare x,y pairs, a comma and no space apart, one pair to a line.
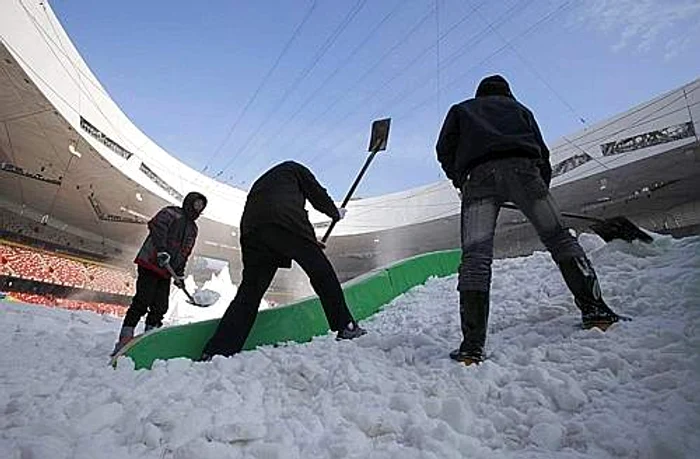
494,85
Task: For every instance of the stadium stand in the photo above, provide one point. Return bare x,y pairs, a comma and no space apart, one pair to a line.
32,264
24,230
46,278
64,303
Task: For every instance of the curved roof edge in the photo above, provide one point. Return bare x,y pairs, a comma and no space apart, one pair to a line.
37,40
34,36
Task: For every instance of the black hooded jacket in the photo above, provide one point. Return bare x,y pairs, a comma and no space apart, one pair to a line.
278,198
485,128
173,230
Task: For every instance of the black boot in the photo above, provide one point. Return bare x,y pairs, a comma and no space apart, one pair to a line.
583,283
474,315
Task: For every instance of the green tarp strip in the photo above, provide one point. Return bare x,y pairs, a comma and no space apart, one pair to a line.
302,320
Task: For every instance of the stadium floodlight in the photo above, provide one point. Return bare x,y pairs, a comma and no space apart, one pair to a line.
73,151
133,212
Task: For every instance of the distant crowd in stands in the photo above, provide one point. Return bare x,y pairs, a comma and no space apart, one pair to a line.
65,303
40,266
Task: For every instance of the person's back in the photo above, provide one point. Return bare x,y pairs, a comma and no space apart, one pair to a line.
282,182
498,123
278,198
490,126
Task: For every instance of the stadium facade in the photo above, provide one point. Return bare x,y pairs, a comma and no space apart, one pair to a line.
76,172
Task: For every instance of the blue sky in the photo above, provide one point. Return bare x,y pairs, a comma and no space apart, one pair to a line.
210,83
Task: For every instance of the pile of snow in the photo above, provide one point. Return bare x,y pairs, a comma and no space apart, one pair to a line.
182,312
548,388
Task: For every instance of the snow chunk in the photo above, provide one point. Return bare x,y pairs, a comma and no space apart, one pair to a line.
547,436
99,418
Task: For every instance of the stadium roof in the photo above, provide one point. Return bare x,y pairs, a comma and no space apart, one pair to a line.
72,159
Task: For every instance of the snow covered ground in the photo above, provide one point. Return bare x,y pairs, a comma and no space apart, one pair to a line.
547,390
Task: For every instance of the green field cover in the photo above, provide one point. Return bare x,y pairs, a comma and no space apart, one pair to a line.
302,320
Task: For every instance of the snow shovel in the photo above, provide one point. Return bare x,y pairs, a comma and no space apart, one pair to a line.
377,142
618,227
201,298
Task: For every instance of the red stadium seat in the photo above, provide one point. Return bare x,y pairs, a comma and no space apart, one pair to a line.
36,265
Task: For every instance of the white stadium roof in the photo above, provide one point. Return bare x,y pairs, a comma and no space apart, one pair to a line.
71,156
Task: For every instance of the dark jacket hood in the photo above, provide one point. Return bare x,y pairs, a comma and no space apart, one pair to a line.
494,85
188,205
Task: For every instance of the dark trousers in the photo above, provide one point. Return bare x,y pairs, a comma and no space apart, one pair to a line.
263,252
487,187
152,296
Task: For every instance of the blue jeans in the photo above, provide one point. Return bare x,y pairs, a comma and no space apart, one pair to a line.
488,186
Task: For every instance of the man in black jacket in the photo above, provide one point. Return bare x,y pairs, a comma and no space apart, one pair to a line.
171,238
491,148
275,230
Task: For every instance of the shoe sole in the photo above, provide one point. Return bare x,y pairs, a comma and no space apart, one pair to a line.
603,325
338,338
468,360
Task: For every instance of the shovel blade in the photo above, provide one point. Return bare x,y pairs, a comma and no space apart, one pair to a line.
620,228
204,298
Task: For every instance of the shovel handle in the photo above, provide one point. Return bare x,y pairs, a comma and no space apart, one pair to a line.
508,205
172,273
350,193
618,227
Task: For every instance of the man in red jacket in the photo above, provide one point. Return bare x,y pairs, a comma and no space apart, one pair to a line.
171,238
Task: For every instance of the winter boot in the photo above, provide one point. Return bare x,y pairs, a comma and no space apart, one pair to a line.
351,331
125,335
474,316
583,283
150,327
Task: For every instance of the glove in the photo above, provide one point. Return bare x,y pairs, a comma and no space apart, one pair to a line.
179,282
162,258
341,212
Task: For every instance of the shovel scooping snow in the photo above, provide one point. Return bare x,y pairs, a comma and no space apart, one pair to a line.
201,297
